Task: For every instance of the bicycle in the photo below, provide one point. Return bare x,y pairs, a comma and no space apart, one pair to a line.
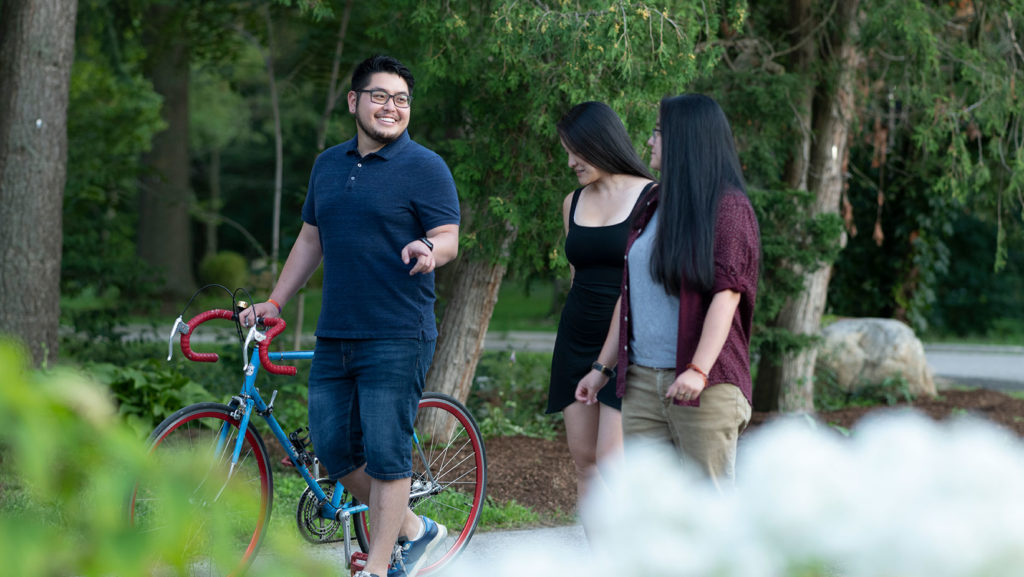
449,472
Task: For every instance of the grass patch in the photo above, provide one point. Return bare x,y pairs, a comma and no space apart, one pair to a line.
1004,331
502,516
495,516
527,307
288,486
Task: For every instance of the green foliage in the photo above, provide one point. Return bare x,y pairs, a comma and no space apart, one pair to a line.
218,115
790,242
829,396
147,392
942,124
940,135
936,131
148,389
509,395
498,75
68,468
972,301
904,242
226,268
113,116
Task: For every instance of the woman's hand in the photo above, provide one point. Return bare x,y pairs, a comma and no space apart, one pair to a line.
589,386
687,386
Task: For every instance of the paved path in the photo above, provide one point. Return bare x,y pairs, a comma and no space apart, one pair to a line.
994,367
991,367
484,548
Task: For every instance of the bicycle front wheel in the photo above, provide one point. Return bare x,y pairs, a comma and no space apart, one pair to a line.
228,506
449,478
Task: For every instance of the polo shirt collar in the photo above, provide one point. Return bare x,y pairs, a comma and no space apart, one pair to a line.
386,153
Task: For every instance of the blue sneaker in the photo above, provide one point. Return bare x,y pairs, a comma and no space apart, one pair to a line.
411,555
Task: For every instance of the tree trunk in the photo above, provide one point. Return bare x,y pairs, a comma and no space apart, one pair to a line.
165,227
832,114
472,294
275,242
37,47
334,90
472,298
213,220
801,22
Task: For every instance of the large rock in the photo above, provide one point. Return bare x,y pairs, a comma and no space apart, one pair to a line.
867,351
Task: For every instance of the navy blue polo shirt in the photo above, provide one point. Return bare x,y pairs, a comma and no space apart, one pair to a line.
366,210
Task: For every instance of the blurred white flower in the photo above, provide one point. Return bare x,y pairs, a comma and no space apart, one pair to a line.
904,496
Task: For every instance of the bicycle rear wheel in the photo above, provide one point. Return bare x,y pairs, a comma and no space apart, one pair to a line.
229,508
449,479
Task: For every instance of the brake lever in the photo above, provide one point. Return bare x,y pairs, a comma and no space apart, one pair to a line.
180,326
254,335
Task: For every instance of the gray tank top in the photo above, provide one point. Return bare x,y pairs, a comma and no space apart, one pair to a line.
655,321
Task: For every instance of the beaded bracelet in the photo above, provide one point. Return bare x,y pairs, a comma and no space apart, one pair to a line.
697,370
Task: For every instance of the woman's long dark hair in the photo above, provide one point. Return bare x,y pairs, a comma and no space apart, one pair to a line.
594,132
698,164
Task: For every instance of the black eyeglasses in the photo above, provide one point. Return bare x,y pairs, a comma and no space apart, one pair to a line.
655,132
381,97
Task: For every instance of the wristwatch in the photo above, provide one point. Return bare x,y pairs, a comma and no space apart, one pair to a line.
608,372
427,242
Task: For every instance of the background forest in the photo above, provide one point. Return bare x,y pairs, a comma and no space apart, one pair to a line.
882,142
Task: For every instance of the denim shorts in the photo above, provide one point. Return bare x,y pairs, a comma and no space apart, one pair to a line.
363,397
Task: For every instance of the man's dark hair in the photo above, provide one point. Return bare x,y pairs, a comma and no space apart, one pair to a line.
593,131
380,63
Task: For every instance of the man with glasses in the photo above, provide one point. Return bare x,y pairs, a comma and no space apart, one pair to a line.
382,213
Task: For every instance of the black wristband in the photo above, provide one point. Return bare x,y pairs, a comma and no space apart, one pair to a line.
603,369
427,242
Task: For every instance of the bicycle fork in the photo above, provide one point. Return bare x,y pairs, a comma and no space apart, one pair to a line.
243,413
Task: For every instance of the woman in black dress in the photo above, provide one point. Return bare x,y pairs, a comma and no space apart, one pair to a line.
596,215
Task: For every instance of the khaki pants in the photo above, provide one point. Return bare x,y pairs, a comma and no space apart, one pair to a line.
703,436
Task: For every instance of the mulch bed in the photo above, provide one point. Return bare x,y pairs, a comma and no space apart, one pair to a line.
539,474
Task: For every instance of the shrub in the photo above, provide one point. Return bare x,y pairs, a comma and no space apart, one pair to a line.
509,395
829,396
148,391
226,268
68,466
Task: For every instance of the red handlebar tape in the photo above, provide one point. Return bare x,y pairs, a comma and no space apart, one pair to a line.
274,325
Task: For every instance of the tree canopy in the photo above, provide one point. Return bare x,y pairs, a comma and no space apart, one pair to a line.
930,143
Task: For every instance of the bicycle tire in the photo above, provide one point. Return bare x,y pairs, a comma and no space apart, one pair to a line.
247,492
455,455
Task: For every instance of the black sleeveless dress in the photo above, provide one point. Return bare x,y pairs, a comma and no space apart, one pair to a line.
596,253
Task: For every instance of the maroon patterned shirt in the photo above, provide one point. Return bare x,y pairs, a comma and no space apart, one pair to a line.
737,260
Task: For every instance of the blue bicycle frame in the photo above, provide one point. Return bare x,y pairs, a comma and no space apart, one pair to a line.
249,401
